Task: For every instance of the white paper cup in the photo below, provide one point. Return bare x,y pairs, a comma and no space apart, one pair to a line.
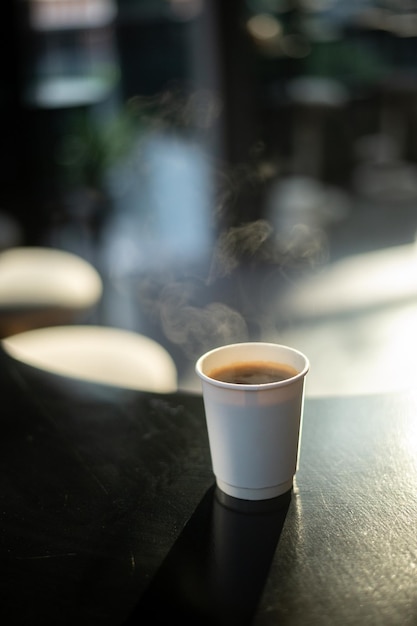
253,429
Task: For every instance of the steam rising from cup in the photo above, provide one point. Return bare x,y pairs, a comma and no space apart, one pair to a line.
207,274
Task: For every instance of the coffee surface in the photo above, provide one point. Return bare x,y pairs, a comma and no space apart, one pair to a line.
253,373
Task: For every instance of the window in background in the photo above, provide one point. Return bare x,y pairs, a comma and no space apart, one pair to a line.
246,156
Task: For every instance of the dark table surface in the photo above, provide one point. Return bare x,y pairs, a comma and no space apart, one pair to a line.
109,514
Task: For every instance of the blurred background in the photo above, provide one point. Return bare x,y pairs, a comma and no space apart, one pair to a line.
240,169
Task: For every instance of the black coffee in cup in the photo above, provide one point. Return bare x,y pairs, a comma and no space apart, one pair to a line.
253,372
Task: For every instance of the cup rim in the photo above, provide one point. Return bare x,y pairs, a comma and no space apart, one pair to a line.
248,386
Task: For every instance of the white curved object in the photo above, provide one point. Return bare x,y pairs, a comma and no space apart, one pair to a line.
36,277
96,354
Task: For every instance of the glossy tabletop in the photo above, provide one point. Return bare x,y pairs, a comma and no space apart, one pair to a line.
109,514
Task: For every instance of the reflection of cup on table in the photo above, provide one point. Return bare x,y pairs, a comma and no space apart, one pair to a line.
253,397
244,537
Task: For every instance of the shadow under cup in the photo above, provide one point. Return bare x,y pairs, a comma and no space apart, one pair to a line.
254,429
